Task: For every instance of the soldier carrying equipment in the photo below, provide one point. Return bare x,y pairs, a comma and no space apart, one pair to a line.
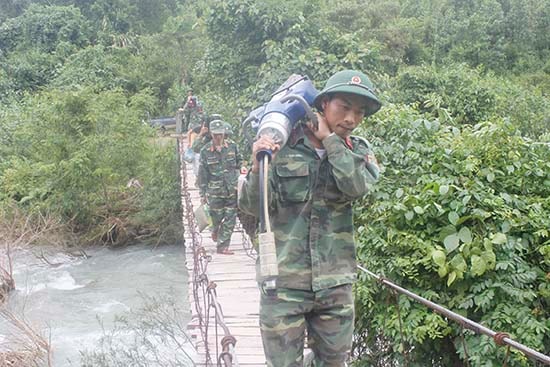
313,181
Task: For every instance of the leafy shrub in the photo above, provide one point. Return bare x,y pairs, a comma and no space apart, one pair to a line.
461,217
43,27
462,91
73,153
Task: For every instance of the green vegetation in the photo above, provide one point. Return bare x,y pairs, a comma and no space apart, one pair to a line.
461,215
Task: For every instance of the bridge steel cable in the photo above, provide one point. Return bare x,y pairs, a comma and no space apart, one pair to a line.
500,338
204,290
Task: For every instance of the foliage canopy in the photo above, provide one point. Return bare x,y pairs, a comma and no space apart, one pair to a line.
461,214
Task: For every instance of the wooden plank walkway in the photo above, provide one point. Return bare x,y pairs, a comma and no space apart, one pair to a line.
237,293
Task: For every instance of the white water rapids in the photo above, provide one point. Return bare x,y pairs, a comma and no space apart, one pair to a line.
75,301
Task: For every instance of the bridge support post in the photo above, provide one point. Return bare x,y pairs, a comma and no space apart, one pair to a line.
179,121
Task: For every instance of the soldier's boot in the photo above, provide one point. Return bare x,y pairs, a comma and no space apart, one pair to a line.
223,248
215,231
224,251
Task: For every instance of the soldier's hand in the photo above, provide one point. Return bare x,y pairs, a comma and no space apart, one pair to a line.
263,143
322,130
204,130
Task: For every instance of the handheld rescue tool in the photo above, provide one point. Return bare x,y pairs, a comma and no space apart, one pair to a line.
290,104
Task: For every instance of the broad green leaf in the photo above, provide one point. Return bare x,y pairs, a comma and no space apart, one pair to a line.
418,210
451,242
442,271
490,258
439,257
453,217
465,235
399,193
443,189
445,231
499,239
451,278
458,263
490,177
409,215
478,265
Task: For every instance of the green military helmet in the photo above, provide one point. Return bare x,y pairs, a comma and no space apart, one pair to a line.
228,128
215,116
217,127
351,81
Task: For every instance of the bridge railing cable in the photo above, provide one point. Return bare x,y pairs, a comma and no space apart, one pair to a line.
500,338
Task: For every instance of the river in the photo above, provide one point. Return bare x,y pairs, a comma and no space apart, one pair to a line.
112,302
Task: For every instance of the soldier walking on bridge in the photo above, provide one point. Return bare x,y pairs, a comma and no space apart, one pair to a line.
219,166
189,107
314,179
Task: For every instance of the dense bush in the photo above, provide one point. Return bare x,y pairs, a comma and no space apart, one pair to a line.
461,90
461,216
73,153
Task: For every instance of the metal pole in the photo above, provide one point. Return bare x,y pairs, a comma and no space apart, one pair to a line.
479,329
179,121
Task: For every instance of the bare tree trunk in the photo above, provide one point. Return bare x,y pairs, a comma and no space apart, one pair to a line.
7,283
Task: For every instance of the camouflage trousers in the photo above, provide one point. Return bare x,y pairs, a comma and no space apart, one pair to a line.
223,211
186,120
327,315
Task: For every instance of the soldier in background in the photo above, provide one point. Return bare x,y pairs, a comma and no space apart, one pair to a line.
219,166
203,132
189,106
313,181
197,121
203,137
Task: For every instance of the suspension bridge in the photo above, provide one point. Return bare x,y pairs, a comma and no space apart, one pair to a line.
228,335
225,299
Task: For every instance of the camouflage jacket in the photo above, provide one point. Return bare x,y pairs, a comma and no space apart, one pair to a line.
310,208
196,119
219,171
200,142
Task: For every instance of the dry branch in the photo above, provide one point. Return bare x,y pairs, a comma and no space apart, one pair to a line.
27,348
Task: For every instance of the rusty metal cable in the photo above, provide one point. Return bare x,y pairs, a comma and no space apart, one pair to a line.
500,338
247,244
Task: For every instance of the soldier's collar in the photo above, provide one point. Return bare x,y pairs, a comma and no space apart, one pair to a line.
296,135
224,145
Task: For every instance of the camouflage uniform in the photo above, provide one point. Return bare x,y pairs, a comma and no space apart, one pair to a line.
311,216
218,174
196,119
200,142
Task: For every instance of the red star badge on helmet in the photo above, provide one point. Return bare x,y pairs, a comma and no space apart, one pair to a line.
356,80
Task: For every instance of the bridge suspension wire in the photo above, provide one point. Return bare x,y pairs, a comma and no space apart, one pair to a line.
499,337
